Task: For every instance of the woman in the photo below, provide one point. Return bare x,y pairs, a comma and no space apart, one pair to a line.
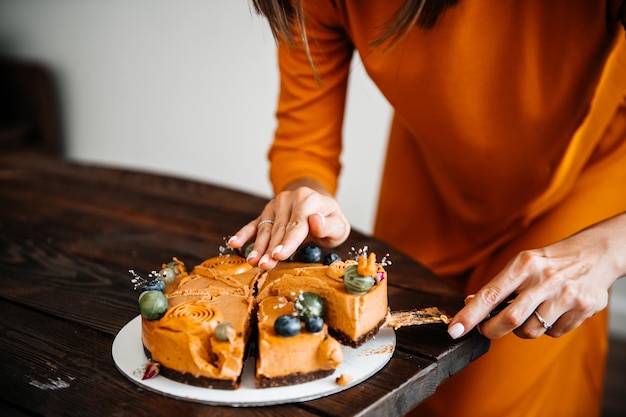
505,173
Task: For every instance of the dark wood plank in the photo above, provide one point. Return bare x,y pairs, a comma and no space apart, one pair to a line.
405,382
61,285
56,368
93,180
11,410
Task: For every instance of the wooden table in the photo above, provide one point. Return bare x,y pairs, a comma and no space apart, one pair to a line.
69,234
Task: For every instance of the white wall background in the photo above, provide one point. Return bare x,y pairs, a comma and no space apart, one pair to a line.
188,88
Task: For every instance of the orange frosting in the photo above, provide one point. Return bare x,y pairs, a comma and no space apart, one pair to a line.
184,340
217,291
350,314
220,290
303,353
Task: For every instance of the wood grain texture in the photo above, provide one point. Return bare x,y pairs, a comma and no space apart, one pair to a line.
69,234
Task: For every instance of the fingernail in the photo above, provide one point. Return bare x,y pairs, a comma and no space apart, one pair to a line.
264,259
456,330
469,297
277,250
253,254
232,238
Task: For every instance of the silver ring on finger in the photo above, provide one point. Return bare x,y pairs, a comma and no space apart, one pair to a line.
262,222
543,322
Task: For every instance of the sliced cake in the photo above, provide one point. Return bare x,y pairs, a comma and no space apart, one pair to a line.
198,326
201,338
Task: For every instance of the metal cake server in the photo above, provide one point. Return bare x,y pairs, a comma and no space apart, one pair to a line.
429,315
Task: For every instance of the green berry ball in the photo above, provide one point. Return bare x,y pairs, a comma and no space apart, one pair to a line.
168,274
355,283
309,304
152,304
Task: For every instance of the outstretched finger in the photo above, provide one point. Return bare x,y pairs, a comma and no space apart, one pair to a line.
293,233
243,235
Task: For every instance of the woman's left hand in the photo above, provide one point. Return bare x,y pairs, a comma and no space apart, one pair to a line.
556,287
304,209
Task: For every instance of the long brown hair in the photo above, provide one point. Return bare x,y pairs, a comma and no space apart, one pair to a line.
282,15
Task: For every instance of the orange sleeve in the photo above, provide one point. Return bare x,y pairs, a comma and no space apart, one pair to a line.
307,142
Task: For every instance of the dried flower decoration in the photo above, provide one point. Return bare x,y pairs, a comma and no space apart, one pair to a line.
357,253
140,282
151,370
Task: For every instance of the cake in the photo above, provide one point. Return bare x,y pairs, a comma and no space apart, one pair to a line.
200,326
294,359
353,316
202,336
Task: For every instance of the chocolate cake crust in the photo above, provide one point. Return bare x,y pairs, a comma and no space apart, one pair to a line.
292,379
347,341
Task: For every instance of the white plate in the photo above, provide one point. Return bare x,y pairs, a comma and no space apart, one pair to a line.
359,364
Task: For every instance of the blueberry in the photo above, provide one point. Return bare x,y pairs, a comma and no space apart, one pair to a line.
287,325
310,254
314,324
331,257
154,285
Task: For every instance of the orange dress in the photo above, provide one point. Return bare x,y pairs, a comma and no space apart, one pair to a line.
509,133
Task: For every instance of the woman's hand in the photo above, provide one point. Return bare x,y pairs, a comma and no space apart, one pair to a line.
304,210
557,287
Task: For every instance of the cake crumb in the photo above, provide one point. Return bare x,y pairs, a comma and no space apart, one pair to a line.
343,379
387,349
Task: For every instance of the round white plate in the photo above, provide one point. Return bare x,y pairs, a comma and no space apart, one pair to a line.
359,364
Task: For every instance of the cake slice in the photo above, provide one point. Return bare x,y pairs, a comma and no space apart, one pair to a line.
293,358
354,310
352,306
202,337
